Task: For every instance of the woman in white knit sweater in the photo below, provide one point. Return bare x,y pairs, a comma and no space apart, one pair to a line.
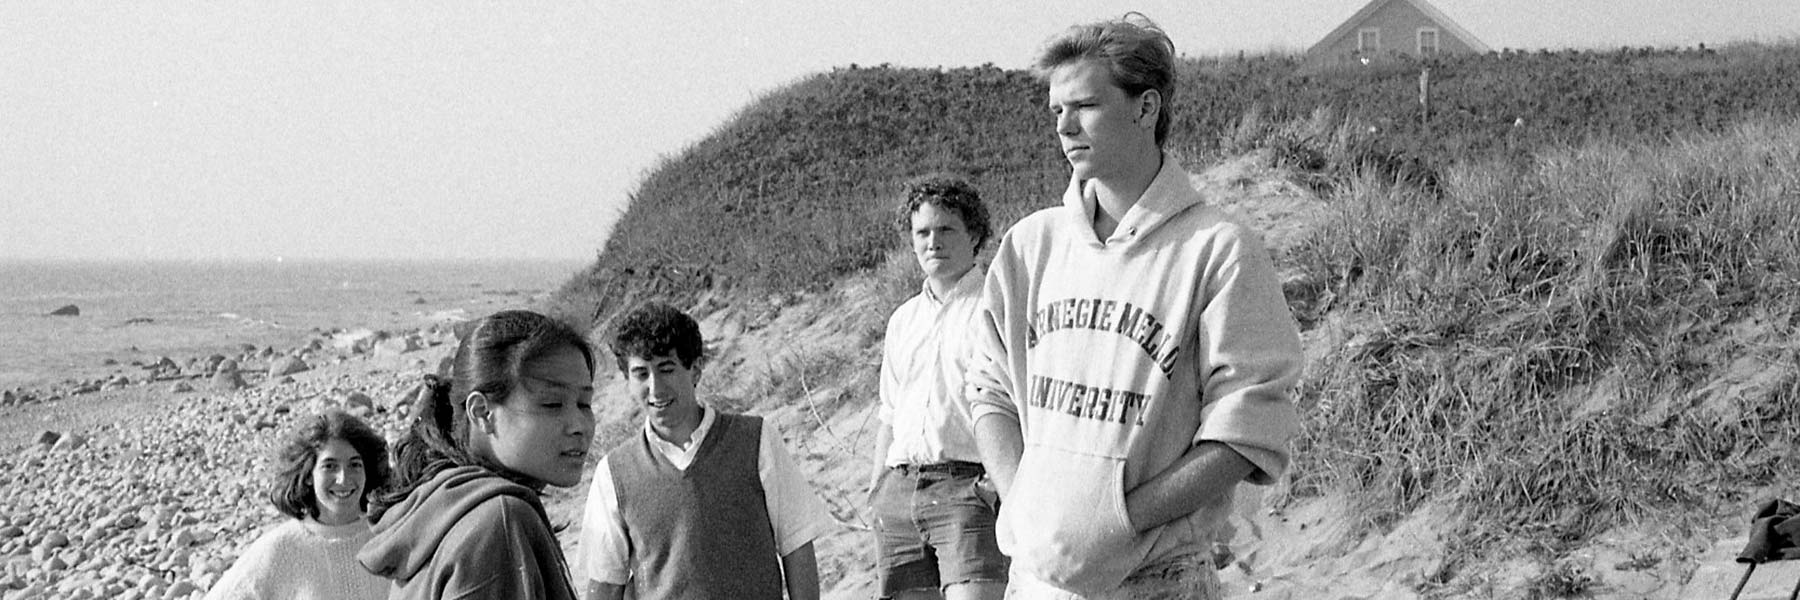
323,473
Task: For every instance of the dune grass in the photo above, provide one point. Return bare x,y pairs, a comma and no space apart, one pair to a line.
1604,337
795,191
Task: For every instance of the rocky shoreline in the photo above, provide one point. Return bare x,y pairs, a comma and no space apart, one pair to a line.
227,373
158,498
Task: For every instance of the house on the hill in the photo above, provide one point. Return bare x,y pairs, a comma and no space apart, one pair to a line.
1390,28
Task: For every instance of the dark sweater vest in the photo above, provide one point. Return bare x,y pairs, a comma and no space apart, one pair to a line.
703,532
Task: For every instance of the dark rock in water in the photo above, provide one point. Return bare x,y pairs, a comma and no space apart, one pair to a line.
287,365
181,387
222,364
418,300
247,347
116,382
108,362
67,311
48,437
164,362
139,320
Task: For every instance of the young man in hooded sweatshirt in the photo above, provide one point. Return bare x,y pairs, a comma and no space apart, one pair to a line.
1134,354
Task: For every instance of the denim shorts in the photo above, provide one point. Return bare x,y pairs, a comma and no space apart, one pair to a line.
934,529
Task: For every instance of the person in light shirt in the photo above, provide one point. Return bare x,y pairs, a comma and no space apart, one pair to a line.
702,504
324,471
932,503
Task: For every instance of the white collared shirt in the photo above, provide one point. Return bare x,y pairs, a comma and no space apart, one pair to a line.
922,362
796,513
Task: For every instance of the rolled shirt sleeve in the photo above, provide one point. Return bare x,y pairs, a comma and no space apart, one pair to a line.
605,552
796,512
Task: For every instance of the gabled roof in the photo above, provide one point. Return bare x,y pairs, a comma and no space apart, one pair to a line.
1431,12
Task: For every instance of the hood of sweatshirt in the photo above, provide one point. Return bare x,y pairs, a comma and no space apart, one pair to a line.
1170,194
410,532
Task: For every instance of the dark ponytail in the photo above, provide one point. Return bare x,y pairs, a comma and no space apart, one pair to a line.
488,360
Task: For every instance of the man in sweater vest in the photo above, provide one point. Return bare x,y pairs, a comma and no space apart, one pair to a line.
1134,357
703,504
932,504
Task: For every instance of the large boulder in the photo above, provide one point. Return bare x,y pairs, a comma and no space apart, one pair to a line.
226,380
68,310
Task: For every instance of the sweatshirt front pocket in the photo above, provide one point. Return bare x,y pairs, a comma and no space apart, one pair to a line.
1064,520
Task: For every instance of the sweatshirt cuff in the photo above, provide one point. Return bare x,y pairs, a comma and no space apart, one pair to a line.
1269,463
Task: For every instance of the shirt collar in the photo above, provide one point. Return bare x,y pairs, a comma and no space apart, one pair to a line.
706,421
970,283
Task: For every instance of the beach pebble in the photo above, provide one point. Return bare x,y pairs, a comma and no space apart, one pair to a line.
67,310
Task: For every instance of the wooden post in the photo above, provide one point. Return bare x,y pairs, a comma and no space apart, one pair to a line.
1425,97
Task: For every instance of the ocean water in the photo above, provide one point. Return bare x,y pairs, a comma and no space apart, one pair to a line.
141,310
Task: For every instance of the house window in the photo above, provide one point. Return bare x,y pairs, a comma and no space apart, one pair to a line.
1428,41
1368,40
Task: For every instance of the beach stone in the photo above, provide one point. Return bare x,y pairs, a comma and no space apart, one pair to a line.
287,365
11,531
225,381
181,589
181,387
357,402
56,539
396,346
214,362
68,310
116,382
69,442
48,437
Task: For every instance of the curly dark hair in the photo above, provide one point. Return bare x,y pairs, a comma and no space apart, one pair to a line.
949,192
290,487
657,329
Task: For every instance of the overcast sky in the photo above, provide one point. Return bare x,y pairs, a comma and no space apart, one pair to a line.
161,129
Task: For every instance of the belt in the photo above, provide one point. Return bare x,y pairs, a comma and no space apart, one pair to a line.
954,468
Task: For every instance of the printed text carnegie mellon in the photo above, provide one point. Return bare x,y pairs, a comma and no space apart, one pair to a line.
1114,316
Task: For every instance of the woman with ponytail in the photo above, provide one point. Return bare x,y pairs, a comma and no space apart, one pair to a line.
462,518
